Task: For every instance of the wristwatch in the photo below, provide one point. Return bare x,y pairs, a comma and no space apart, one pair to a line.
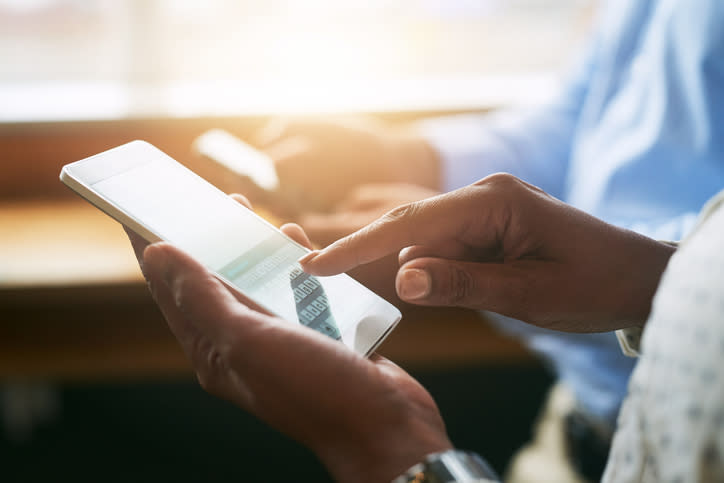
451,466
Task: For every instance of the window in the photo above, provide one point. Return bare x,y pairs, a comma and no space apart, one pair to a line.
113,58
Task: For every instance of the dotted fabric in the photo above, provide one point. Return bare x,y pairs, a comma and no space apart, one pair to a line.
671,425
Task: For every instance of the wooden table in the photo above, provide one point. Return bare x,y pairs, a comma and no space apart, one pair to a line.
74,306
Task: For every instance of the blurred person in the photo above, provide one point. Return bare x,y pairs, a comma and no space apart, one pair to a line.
634,136
500,244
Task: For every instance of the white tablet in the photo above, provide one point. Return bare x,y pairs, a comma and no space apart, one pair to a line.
160,199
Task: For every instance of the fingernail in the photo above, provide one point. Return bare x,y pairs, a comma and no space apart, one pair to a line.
308,257
413,284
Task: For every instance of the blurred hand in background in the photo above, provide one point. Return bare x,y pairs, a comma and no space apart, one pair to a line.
320,162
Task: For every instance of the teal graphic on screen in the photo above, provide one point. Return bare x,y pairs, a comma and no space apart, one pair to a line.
270,267
313,309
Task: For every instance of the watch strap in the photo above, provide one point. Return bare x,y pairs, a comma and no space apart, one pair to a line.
450,466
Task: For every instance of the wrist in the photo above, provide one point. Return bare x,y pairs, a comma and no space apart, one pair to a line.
381,453
637,293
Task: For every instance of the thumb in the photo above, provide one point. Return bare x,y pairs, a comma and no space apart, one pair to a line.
487,286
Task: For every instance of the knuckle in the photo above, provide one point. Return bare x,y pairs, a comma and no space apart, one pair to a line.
403,217
401,213
216,362
502,182
501,179
209,362
461,286
180,289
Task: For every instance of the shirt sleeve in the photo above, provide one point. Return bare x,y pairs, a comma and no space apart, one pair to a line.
672,229
533,144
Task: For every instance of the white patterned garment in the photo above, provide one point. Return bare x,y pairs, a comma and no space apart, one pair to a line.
671,425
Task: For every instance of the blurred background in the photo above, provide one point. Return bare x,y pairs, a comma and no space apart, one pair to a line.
70,59
93,386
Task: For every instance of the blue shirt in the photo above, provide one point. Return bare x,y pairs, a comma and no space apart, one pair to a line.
634,136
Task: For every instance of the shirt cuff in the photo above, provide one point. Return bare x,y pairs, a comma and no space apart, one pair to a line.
630,340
